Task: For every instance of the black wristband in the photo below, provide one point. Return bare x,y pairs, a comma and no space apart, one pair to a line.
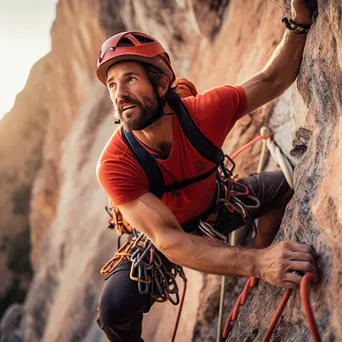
296,28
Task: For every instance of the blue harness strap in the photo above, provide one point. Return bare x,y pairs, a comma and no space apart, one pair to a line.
150,166
200,142
203,145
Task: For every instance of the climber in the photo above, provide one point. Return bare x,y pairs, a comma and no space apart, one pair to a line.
140,80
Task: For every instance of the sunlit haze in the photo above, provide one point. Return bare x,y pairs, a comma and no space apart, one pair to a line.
24,38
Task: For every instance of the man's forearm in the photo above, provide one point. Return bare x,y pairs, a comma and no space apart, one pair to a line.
283,67
209,256
274,264
280,71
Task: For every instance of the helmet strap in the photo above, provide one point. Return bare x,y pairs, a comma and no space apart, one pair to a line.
157,114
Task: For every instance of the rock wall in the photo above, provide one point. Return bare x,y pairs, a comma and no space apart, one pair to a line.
66,217
22,133
313,215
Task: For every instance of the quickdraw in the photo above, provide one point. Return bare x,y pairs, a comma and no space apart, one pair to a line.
148,268
229,193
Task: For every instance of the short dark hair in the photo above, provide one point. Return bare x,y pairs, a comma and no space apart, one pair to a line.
155,76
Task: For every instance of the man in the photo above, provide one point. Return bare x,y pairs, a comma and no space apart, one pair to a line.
139,77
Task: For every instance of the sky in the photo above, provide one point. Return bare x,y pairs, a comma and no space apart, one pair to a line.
24,38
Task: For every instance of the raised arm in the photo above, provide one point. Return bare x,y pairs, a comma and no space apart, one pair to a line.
283,67
151,217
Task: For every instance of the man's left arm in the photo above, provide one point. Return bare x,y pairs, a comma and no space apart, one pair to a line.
283,67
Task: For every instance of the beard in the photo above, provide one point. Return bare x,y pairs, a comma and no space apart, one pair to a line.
144,111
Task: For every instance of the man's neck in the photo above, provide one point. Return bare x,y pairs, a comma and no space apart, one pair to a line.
158,136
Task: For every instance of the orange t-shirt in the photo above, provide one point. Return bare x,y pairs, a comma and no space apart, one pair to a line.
122,177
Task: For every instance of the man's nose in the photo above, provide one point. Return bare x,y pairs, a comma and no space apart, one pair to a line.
121,92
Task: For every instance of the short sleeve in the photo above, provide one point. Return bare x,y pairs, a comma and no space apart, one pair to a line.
216,111
121,176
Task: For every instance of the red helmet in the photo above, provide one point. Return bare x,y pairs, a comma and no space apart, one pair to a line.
133,46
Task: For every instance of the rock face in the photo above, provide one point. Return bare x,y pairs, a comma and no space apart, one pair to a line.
22,134
61,139
313,215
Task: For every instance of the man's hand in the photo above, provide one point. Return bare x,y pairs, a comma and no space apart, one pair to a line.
302,11
283,67
278,262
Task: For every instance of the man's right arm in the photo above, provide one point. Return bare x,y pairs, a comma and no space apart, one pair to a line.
273,264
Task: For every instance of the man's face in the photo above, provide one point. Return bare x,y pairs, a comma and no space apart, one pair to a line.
132,94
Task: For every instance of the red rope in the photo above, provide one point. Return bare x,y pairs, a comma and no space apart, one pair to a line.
179,313
277,315
241,149
251,282
305,302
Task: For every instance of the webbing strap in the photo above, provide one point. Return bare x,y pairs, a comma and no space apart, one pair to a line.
173,187
201,143
153,173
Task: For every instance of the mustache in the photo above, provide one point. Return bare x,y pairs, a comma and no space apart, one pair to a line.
128,100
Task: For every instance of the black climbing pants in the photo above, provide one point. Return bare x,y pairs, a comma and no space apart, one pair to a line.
121,306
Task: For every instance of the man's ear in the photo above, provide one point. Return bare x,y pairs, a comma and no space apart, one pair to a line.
163,86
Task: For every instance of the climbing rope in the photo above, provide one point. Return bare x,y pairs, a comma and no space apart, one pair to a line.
278,156
305,303
251,282
182,274
277,315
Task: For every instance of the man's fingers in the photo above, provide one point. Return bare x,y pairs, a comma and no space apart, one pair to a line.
292,280
300,256
300,247
303,266
289,285
281,260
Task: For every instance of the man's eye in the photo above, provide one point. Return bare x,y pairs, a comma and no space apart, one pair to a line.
130,79
111,85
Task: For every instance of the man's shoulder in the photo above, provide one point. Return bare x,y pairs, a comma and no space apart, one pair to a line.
215,93
222,98
115,149
216,110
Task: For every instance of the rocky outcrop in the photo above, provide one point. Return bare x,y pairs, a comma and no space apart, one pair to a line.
312,216
22,132
67,220
74,49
